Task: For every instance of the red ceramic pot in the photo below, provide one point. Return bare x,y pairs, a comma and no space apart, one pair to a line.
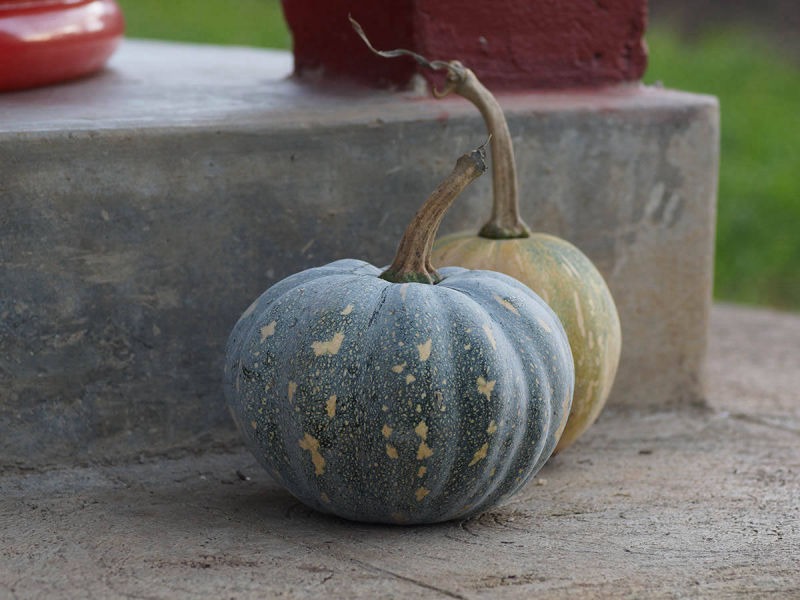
46,41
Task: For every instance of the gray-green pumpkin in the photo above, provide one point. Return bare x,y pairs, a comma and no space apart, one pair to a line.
407,396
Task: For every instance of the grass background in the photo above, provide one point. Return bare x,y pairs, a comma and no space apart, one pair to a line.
758,229
758,225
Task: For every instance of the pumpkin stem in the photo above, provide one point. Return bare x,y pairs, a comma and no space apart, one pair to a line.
412,263
505,222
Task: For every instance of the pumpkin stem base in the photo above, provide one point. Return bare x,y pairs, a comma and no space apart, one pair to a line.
394,277
495,231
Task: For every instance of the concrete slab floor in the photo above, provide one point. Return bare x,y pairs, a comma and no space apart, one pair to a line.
691,503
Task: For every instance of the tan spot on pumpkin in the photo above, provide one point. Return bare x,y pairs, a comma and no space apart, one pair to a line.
506,304
268,330
311,444
410,378
330,406
544,325
384,408
422,430
253,424
347,310
579,312
399,368
425,350
324,497
486,387
568,266
488,331
479,454
492,427
424,451
467,346
292,390
391,451
422,470
403,291
330,347
386,431
421,492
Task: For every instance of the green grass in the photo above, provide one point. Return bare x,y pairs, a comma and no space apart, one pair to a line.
758,227
758,231
242,22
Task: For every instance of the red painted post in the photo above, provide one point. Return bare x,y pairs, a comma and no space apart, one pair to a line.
510,44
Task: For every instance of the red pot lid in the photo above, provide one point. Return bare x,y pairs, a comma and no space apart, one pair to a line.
47,41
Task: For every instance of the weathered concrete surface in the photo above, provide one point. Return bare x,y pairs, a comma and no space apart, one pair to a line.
684,503
145,208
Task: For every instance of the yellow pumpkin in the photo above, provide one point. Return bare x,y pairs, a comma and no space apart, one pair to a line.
552,267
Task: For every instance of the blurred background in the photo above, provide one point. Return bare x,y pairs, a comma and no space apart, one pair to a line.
745,52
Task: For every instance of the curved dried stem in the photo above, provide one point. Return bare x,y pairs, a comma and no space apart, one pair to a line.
428,64
505,222
412,263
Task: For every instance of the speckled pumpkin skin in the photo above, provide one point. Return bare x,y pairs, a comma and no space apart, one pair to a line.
399,403
573,287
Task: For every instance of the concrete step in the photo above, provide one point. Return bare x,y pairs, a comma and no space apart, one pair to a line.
145,208
678,503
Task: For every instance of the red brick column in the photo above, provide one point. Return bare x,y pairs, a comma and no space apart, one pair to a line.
510,44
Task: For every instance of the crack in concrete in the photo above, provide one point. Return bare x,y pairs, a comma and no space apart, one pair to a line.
423,584
763,422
